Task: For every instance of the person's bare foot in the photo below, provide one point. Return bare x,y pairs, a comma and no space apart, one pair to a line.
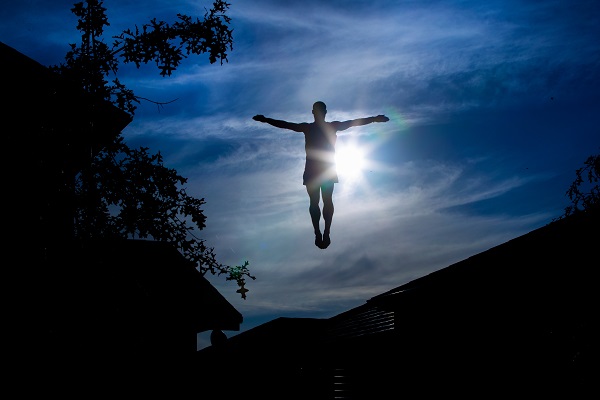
318,240
326,241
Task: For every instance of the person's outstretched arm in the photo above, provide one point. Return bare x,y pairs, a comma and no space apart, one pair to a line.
343,125
279,123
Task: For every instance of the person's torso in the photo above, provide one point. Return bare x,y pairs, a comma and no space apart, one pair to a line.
320,141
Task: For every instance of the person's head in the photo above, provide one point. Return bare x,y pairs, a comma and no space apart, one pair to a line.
319,110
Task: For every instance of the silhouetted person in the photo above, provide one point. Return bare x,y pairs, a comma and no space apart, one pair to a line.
320,172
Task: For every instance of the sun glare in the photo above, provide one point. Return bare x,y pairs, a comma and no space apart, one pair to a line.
350,160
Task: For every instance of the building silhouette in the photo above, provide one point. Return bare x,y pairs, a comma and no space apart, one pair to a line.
86,315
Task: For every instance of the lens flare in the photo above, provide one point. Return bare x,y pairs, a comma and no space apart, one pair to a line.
350,160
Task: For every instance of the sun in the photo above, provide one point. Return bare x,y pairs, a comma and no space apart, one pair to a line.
350,161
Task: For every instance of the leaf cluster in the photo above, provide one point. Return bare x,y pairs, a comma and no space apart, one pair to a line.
130,193
167,45
584,192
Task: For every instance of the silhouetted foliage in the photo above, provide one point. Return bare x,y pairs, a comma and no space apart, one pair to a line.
127,192
584,192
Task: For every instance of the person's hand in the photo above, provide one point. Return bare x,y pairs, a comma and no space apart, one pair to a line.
381,118
259,118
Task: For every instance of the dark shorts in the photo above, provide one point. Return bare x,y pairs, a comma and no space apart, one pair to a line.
319,172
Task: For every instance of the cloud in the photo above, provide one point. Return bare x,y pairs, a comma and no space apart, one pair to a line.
379,241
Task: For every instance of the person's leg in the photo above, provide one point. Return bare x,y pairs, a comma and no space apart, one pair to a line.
314,194
327,193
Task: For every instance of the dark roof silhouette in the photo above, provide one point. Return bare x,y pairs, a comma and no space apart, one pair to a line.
520,317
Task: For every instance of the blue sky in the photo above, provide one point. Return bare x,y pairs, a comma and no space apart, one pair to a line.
493,106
